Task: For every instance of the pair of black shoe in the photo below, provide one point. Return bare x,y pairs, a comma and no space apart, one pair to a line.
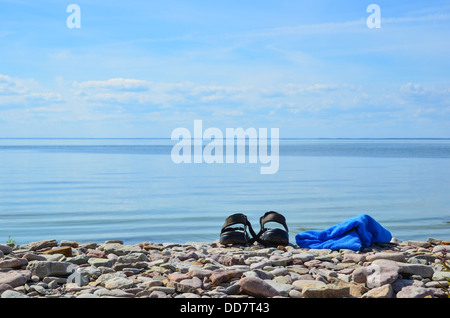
266,237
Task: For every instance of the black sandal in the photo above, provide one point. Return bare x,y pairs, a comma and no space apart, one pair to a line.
275,236
236,235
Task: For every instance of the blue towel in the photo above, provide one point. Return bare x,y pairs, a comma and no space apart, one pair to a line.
354,234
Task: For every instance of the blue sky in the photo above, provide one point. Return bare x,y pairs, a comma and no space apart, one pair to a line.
144,68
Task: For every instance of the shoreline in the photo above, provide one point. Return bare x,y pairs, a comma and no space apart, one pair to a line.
68,269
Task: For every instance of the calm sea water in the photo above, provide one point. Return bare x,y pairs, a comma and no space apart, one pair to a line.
92,190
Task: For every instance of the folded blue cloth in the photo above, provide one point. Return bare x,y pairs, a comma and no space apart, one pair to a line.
354,234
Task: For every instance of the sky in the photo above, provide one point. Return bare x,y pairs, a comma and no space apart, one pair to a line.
140,69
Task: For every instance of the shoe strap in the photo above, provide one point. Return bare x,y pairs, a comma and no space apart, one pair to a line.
237,218
273,216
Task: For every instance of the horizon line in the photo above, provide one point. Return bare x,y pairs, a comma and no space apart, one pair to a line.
281,138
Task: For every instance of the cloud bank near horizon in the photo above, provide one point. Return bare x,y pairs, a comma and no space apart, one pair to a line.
143,69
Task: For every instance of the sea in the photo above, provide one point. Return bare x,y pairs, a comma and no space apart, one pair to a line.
93,190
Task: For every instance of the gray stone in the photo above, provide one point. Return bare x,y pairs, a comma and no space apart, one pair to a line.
414,292
132,258
103,292
327,291
200,272
251,274
5,249
39,289
298,269
123,266
74,287
102,279
158,294
263,274
293,293
381,272
300,284
34,246
13,263
427,259
190,285
118,283
303,257
437,284
188,295
416,269
90,272
439,248
282,289
434,241
385,291
54,284
233,289
89,245
34,257
278,260
77,260
314,263
114,242
54,257
287,279
400,283
353,258
88,295
260,265
419,244
193,282
68,243
13,294
119,249
164,289
4,287
397,257
97,262
281,271
441,276
44,268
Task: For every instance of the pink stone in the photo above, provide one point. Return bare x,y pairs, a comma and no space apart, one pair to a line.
96,254
15,278
220,276
257,287
177,277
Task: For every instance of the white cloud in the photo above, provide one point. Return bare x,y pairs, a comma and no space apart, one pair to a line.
425,101
45,97
121,84
338,27
125,101
413,89
11,86
20,93
138,92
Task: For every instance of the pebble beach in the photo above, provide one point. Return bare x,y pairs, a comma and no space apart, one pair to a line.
69,269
